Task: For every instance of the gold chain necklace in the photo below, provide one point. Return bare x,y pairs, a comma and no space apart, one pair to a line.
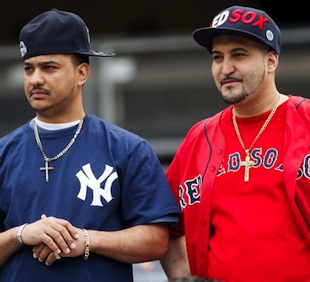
47,160
248,163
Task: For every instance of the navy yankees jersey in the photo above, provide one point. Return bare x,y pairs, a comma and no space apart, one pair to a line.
110,179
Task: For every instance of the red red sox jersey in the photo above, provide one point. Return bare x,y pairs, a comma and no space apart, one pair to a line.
246,231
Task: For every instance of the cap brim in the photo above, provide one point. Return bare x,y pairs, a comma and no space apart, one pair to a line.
204,36
97,54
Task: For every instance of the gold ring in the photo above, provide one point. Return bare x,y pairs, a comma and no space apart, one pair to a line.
57,256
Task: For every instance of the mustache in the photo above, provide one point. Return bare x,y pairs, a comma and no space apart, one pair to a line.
37,89
230,78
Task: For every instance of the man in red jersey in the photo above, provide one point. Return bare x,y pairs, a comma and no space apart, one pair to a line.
242,177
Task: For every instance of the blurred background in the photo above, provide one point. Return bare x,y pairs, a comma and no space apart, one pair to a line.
159,83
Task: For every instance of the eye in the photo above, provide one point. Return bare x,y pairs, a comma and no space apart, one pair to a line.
49,67
217,57
239,54
28,69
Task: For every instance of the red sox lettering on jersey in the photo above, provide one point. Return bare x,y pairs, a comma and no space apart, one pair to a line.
87,179
249,17
190,190
267,160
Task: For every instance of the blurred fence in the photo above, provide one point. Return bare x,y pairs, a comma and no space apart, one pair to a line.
156,87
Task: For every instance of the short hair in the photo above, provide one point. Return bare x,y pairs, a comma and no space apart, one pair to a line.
79,59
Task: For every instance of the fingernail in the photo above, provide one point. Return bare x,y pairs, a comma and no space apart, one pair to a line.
73,245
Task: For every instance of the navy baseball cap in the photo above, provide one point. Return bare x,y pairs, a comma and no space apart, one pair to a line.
245,21
56,32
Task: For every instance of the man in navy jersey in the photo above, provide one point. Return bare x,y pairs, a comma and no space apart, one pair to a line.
80,199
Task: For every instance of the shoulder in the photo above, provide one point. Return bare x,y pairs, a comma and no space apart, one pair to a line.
298,101
97,125
16,142
300,104
298,112
118,139
205,127
16,134
202,133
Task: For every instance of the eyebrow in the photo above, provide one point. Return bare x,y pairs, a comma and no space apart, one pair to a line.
238,49
41,63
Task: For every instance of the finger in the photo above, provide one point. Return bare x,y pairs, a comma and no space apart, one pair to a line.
37,250
56,242
51,258
65,225
59,234
42,253
68,233
72,231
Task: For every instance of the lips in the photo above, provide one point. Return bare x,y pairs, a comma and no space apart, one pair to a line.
230,81
38,93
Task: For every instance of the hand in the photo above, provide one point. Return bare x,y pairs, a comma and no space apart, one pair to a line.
57,234
44,253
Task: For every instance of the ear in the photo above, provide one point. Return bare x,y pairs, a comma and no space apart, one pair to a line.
83,71
273,60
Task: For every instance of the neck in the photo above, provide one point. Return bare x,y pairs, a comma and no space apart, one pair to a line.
60,119
257,106
55,126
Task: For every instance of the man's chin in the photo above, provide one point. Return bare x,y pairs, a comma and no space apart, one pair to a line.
232,99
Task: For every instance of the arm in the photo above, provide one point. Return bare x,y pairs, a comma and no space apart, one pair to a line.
8,244
132,245
175,262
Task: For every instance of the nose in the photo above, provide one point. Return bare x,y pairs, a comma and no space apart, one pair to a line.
36,78
227,66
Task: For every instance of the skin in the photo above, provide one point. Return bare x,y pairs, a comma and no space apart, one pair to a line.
175,263
244,73
53,87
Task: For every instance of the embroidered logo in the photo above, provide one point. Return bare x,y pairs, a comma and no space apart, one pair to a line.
248,18
23,48
87,179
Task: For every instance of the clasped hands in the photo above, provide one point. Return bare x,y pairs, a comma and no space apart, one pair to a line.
53,238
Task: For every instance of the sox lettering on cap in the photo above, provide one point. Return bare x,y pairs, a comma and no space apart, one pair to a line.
244,21
56,32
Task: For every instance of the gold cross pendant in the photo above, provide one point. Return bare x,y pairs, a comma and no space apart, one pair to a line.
247,165
46,168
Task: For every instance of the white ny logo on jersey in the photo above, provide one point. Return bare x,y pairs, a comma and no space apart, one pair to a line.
87,179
